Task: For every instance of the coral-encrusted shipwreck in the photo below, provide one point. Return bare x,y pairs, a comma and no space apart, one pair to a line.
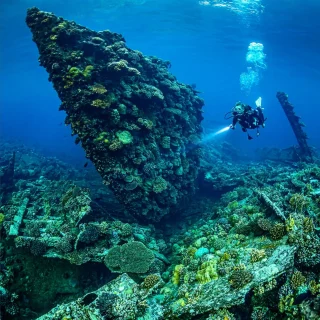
136,122
254,252
304,152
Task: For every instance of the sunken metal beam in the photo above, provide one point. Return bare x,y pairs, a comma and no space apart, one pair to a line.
297,127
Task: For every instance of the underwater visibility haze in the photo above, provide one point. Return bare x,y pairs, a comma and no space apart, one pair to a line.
169,168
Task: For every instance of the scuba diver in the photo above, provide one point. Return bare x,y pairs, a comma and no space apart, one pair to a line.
247,117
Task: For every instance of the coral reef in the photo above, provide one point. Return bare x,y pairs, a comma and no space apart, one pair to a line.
43,219
127,110
246,245
249,248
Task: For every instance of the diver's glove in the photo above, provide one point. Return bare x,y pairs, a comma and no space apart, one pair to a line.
259,102
232,126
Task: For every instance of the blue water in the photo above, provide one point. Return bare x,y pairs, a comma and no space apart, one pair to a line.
206,45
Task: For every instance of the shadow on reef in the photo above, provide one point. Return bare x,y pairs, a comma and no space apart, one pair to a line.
40,284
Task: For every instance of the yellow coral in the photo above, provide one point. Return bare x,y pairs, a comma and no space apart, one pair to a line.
286,303
181,302
297,280
120,65
298,202
87,71
62,25
176,274
308,225
259,290
207,272
68,84
100,103
225,257
290,224
2,217
265,287
102,136
257,255
314,287
74,72
99,89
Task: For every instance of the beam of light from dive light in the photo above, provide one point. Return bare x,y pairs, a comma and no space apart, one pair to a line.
222,130
211,136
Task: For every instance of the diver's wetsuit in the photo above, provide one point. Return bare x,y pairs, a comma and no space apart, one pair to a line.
249,118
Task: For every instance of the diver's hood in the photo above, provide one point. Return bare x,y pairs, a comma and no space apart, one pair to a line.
238,107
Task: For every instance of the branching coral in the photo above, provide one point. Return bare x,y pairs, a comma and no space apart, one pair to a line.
257,255
239,278
297,279
298,202
150,281
277,231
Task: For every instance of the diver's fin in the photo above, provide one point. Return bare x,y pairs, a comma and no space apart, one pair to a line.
259,102
249,137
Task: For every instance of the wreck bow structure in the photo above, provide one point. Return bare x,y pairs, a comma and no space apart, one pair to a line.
137,124
305,153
